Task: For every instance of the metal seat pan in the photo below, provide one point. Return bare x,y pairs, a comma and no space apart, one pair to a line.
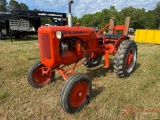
110,36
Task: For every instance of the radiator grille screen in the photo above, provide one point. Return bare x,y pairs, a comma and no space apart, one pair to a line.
44,46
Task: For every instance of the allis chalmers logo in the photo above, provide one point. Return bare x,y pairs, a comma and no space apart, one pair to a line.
74,32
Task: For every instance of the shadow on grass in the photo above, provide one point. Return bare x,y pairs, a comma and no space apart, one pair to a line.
99,71
138,65
29,38
96,92
1,69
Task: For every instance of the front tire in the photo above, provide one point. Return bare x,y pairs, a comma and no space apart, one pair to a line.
75,93
35,77
125,58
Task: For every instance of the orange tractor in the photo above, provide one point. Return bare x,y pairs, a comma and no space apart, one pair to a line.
62,46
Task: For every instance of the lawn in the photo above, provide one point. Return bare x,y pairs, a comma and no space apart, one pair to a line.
136,97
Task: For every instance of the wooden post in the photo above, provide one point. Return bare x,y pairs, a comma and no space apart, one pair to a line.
111,24
127,22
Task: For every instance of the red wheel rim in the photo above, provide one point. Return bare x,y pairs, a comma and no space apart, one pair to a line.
39,78
129,59
78,94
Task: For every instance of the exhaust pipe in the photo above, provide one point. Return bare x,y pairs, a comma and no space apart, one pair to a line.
70,14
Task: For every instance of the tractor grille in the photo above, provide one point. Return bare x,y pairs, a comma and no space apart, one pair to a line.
44,46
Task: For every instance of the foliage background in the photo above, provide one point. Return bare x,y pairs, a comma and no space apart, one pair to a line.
141,19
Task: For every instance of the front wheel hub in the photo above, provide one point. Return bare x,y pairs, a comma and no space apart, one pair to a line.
78,94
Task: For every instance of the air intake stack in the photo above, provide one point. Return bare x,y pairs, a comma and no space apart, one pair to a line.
70,13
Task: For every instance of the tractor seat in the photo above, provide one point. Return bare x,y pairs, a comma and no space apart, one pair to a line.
110,36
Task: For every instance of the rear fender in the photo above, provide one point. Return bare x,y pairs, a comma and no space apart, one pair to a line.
119,41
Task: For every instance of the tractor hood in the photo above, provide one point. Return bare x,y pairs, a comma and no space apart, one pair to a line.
83,33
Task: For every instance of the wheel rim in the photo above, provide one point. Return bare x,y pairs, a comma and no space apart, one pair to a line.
78,94
131,60
39,78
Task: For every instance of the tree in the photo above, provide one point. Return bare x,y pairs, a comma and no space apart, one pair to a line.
157,14
140,19
46,20
23,6
74,19
35,9
3,5
150,20
137,16
86,20
113,9
13,5
104,17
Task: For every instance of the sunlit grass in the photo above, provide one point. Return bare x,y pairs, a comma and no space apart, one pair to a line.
136,97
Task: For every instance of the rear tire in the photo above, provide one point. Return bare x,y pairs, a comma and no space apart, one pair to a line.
23,36
75,93
17,36
35,77
92,62
125,58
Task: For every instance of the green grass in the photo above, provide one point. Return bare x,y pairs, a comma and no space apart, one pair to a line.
136,97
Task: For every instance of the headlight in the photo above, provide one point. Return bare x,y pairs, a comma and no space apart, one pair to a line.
59,34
